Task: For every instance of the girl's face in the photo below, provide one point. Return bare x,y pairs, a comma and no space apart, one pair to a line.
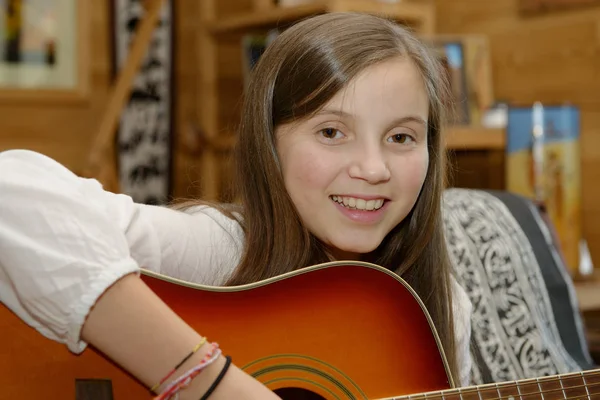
355,169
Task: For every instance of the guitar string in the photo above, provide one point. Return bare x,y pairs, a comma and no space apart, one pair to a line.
541,393
460,393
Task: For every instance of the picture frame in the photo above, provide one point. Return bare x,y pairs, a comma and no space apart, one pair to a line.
471,78
44,50
145,132
452,57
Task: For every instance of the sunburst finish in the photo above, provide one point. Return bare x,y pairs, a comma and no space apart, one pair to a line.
343,330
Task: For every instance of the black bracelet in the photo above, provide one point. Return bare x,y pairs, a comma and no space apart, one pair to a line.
218,380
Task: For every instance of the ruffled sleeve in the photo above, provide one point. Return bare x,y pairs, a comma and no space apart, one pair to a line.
59,250
64,240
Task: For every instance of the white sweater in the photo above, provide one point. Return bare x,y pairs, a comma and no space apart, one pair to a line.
64,241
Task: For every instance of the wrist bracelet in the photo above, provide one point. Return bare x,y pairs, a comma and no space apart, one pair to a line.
218,380
171,372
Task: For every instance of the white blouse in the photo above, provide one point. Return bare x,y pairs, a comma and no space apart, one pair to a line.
64,241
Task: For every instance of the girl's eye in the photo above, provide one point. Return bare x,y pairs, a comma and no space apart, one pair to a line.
401,138
331,133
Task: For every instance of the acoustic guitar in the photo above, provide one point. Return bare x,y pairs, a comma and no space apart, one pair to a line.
340,330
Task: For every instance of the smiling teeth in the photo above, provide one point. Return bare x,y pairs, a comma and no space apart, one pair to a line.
358,204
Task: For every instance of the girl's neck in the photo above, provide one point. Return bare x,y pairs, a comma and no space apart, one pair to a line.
339,255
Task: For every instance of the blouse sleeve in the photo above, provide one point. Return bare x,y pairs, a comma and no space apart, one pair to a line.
64,241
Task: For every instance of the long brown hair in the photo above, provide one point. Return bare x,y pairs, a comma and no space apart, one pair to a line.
298,73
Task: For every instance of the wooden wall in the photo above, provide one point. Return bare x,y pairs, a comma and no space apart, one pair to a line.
552,58
186,172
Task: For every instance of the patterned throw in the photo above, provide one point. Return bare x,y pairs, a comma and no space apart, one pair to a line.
514,331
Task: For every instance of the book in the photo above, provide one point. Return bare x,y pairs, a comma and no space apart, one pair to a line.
543,163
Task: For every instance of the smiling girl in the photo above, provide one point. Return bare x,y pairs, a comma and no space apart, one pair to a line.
340,157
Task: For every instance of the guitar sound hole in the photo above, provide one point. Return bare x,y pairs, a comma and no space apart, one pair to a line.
297,394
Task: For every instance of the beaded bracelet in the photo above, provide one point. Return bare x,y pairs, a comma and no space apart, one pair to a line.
184,380
187,357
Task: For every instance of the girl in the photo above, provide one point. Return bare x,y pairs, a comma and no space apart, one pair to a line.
340,156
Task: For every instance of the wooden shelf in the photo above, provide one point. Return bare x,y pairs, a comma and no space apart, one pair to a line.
418,13
588,293
475,138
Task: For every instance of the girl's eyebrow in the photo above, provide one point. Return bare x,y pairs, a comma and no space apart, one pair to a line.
409,118
339,113
398,121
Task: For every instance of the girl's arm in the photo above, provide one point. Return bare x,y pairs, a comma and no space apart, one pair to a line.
65,262
137,330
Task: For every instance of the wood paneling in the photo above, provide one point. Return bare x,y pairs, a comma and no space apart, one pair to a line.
476,169
553,58
186,173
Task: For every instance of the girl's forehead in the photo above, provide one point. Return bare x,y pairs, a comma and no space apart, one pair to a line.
392,86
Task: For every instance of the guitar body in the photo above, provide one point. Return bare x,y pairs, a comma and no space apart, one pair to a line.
339,330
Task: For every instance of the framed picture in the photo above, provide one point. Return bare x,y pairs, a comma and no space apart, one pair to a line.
468,65
451,55
144,139
541,6
44,50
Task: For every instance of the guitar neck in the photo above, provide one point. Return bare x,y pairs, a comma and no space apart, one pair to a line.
571,386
